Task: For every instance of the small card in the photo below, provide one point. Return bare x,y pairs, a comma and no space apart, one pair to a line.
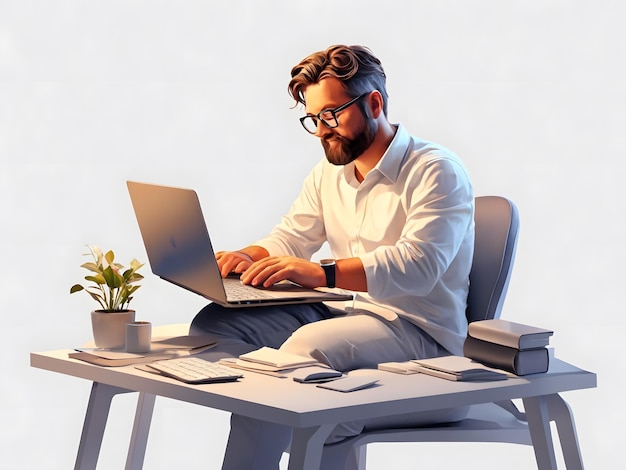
350,383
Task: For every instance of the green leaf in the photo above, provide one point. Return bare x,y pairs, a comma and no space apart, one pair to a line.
132,289
99,279
109,256
135,265
127,274
91,266
134,278
113,279
76,288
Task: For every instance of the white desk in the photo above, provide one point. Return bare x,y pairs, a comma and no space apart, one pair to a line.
312,411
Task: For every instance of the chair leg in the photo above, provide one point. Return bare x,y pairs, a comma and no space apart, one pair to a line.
141,429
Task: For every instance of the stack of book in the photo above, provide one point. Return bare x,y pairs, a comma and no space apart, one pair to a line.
514,347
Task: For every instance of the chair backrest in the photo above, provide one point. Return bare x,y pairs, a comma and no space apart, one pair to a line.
497,226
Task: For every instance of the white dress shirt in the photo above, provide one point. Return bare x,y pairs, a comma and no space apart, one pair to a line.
411,222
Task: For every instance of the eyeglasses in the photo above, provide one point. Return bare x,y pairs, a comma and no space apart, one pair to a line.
327,116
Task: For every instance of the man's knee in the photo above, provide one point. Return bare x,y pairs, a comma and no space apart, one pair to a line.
206,319
323,343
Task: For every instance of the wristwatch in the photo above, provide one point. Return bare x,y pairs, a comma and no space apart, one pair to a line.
328,265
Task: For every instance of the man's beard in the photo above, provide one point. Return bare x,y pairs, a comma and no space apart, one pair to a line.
347,150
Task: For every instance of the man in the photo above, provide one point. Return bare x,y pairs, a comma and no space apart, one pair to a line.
397,213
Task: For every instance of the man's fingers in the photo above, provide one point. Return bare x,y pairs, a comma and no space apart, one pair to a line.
260,272
229,262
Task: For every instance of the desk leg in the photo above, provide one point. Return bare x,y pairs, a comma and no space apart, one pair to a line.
141,428
306,447
540,411
562,415
95,422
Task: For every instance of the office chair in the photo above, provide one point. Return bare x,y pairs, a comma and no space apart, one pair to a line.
497,225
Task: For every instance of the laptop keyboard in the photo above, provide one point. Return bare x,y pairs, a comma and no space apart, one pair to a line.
238,291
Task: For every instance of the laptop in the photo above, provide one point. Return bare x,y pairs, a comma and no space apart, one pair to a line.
179,249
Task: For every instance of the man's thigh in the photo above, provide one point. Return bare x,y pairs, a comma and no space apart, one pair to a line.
258,326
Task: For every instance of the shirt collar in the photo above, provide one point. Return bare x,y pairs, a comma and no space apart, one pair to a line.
391,161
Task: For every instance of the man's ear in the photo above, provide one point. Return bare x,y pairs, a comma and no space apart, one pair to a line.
374,104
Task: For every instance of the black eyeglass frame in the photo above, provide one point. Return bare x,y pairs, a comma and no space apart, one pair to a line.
318,117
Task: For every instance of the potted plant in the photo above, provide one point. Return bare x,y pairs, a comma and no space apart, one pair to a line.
112,287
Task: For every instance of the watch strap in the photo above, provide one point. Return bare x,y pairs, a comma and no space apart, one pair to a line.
328,265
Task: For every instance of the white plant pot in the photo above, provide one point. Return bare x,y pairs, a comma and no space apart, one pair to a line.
109,328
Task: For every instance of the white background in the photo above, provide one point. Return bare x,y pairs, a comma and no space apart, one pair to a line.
531,94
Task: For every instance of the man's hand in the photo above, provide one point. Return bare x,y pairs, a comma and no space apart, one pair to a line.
240,260
232,262
268,271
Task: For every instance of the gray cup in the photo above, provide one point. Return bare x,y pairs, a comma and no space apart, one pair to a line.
138,337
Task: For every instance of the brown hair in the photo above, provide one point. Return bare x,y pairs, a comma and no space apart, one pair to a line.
356,66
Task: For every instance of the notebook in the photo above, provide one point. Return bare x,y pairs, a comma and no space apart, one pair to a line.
179,250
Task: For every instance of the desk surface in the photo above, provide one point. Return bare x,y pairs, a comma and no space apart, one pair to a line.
287,402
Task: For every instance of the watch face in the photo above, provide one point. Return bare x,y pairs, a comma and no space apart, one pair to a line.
327,262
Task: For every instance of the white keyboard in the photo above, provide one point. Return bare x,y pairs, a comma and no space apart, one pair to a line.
194,370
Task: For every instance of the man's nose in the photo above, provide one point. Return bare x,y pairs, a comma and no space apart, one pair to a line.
322,130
